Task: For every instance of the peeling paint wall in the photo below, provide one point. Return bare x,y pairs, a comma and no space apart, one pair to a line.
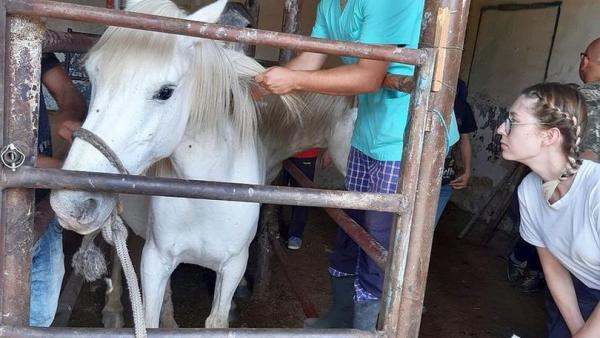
506,51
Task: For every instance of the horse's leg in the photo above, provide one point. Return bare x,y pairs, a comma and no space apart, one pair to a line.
167,315
227,280
112,313
155,275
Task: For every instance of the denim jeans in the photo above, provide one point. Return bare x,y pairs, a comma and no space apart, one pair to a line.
47,271
445,194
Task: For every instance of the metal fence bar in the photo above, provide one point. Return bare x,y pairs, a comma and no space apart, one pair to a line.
291,24
453,15
68,42
412,160
75,332
366,242
22,89
37,178
59,10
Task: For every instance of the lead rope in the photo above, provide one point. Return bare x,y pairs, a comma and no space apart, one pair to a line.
114,233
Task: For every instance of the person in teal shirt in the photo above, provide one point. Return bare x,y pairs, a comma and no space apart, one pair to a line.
377,140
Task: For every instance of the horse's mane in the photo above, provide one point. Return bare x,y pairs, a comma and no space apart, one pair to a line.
218,82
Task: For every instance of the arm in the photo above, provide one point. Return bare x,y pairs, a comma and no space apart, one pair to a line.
561,287
466,153
71,104
362,77
591,329
307,61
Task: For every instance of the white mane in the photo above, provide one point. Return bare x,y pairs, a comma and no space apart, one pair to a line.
218,82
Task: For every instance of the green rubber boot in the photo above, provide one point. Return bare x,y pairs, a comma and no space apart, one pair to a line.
341,313
365,315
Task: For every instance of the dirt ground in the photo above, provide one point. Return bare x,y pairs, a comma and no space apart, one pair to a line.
467,292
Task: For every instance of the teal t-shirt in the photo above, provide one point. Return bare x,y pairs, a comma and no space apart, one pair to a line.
382,115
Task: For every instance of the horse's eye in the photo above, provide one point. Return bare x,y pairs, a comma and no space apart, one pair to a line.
164,93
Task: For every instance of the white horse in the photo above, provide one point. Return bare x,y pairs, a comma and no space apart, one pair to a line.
187,101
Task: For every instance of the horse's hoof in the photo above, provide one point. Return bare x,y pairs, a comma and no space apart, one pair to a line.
213,323
112,320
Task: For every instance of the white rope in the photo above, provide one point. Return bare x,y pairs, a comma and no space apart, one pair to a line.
115,233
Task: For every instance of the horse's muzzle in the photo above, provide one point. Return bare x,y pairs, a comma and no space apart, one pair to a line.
80,211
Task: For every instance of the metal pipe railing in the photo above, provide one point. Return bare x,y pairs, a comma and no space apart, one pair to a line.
30,177
60,10
22,89
366,242
445,32
78,332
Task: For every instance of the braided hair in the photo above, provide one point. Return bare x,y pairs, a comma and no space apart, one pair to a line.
560,106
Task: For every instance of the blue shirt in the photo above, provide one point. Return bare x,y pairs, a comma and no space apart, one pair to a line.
382,115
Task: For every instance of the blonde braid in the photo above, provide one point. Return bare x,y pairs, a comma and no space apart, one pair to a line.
573,161
560,106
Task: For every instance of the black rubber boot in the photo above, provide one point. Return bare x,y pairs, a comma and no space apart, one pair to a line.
341,313
365,315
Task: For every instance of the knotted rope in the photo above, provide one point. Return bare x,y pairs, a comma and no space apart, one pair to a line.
114,232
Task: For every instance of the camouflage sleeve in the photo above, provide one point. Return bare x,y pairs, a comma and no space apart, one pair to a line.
591,138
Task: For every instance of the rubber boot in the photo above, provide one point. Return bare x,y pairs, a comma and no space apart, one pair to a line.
340,314
365,315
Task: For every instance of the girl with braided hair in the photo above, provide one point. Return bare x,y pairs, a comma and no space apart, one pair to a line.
559,202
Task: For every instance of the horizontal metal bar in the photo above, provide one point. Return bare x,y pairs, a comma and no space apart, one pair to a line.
77,332
111,17
30,177
68,42
366,242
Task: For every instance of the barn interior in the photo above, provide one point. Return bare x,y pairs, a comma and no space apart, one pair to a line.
508,45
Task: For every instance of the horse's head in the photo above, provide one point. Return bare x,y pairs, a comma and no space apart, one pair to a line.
140,88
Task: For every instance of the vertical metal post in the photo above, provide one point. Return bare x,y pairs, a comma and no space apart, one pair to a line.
22,94
408,185
291,17
446,18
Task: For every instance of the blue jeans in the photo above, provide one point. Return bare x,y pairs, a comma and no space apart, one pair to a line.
365,174
47,271
587,299
299,214
445,194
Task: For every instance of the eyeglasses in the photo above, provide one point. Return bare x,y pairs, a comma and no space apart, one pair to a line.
508,123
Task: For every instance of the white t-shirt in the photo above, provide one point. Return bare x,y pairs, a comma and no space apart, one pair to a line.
569,228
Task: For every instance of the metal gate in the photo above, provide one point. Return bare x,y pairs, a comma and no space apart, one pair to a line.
432,91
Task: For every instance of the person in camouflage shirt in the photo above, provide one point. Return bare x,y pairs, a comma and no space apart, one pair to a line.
589,72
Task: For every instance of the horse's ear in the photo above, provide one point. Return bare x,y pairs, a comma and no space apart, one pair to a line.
210,13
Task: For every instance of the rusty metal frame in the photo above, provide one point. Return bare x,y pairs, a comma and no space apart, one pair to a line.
413,230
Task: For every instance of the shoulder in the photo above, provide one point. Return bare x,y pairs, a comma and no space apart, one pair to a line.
590,172
529,183
49,61
591,91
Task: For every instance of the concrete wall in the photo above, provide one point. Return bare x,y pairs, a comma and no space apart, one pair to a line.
506,51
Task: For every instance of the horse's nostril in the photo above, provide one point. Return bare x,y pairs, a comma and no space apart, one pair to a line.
88,207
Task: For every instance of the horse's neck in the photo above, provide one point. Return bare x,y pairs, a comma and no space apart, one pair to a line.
321,118
218,157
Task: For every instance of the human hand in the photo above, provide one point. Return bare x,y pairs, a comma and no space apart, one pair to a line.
66,128
325,160
277,80
461,181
